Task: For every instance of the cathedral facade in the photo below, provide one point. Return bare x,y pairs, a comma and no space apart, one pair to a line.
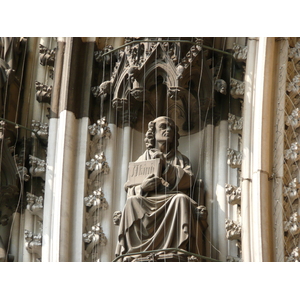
74,113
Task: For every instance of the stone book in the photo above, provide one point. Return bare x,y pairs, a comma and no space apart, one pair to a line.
138,171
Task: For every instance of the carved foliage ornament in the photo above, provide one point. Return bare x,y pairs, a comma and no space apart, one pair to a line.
38,167
33,242
240,52
47,56
235,124
35,204
234,158
41,129
96,201
233,194
93,238
233,230
43,92
237,88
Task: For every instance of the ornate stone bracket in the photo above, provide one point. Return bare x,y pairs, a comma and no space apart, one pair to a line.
35,204
233,230
33,242
93,238
38,167
234,158
43,92
240,52
233,194
47,56
96,201
41,129
235,124
237,89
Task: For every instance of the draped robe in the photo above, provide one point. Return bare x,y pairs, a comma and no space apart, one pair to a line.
162,219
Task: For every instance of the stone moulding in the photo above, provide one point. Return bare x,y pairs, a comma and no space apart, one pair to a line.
234,158
235,124
97,165
233,230
237,88
43,92
96,201
93,238
233,194
35,204
38,167
33,242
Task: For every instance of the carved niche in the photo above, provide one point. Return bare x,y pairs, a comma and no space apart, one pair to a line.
176,73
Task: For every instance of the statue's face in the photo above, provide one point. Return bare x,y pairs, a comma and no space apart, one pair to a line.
164,130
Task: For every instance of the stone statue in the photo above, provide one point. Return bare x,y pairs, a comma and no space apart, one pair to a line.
158,213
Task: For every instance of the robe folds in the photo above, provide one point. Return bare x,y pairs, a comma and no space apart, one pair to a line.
162,219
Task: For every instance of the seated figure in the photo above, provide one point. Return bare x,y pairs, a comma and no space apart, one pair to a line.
159,213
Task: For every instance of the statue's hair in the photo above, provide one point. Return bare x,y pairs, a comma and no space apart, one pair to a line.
150,134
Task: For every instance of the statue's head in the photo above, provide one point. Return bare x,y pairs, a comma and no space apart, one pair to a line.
161,123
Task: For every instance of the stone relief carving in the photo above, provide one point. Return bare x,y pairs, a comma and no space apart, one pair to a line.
294,256
233,194
43,92
33,242
35,204
234,158
96,201
235,124
38,167
47,56
240,52
237,88
233,230
93,238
